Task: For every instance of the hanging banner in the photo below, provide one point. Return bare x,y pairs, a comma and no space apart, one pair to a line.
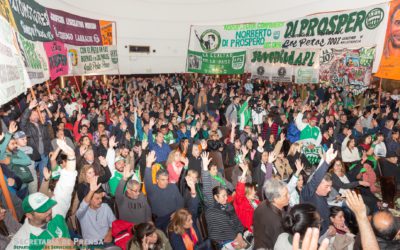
306,75
13,77
106,29
57,57
347,67
5,11
92,59
35,59
216,63
279,65
389,66
32,20
344,29
236,37
73,29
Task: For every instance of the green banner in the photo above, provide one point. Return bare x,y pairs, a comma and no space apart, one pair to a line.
216,63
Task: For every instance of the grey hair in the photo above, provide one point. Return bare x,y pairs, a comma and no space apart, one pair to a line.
162,172
272,189
131,183
327,177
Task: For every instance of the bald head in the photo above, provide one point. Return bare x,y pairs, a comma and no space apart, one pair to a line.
385,225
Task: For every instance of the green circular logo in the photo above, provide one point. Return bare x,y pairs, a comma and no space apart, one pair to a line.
374,18
210,40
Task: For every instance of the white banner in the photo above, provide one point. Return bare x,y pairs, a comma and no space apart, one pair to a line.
280,65
14,79
35,59
92,59
236,37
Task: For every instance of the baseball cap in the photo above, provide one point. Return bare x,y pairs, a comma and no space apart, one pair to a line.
119,158
315,119
19,135
37,202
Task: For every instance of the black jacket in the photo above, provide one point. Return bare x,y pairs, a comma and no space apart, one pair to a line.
32,133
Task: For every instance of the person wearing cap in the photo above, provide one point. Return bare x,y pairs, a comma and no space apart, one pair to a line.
116,165
309,132
45,217
22,144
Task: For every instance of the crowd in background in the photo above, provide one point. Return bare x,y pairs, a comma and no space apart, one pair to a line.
172,162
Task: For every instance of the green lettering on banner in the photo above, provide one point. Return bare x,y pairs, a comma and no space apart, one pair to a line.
216,63
291,58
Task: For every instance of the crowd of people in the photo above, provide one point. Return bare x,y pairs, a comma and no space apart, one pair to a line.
198,163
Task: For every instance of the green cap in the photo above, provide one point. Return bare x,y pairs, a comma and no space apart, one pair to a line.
37,202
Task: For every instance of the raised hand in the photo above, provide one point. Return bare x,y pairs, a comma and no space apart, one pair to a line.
93,184
145,143
33,104
310,241
152,122
127,173
283,137
112,143
356,203
193,131
299,166
46,174
244,150
13,127
261,142
65,148
330,154
272,157
205,160
150,159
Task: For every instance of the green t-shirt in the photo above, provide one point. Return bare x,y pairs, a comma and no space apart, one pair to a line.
56,228
114,181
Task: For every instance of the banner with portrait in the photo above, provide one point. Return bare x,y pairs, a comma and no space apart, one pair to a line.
389,66
92,59
235,37
216,63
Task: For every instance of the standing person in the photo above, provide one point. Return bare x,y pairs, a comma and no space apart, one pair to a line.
231,113
317,189
164,197
45,217
38,136
160,148
22,144
268,215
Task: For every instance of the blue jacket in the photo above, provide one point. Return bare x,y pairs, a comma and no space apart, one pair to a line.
293,133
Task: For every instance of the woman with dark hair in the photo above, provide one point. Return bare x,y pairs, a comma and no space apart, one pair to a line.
223,224
339,234
146,236
184,234
300,217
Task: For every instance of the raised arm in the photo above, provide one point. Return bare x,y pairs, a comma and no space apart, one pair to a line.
206,179
148,181
65,185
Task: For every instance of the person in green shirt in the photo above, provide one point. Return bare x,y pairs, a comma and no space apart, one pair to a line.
45,217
